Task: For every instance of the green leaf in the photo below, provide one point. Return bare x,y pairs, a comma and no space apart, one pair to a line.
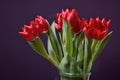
78,48
93,46
38,46
87,53
54,47
52,52
78,45
67,39
100,46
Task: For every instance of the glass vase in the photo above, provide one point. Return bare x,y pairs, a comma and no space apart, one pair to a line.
70,76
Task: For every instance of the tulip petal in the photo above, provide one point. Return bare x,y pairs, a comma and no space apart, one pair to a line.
26,36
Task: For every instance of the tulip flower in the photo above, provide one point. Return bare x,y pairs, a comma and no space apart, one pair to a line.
72,17
28,33
97,29
60,23
31,31
42,24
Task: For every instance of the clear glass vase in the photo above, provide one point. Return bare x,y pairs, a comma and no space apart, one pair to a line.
70,76
70,69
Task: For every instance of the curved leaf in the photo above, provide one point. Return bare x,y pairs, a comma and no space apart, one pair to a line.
54,47
100,46
67,39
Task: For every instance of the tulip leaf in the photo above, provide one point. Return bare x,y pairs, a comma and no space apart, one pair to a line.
67,39
52,52
38,46
54,47
87,53
92,47
100,46
78,46
79,41
94,44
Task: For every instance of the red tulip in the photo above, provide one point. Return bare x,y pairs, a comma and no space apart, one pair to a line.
72,17
31,31
59,25
28,33
27,36
41,24
65,14
97,29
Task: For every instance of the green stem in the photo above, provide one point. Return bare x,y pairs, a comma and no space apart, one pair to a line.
69,77
93,46
38,47
52,61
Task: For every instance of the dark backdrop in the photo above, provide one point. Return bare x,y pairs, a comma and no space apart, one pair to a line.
19,62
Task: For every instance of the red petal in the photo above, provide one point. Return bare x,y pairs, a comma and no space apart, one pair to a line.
26,36
108,23
58,27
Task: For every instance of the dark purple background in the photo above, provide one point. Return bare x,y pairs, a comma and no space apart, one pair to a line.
19,62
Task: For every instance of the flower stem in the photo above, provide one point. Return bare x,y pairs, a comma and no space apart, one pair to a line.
85,77
68,78
52,61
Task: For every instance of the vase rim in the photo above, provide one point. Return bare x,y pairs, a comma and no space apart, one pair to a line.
72,75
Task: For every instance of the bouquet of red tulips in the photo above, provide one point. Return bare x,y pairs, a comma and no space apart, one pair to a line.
80,42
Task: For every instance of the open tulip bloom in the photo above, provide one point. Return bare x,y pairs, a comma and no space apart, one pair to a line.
80,43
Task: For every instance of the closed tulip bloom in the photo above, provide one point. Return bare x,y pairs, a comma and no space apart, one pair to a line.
41,24
59,20
26,36
97,29
72,17
65,14
28,33
31,31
